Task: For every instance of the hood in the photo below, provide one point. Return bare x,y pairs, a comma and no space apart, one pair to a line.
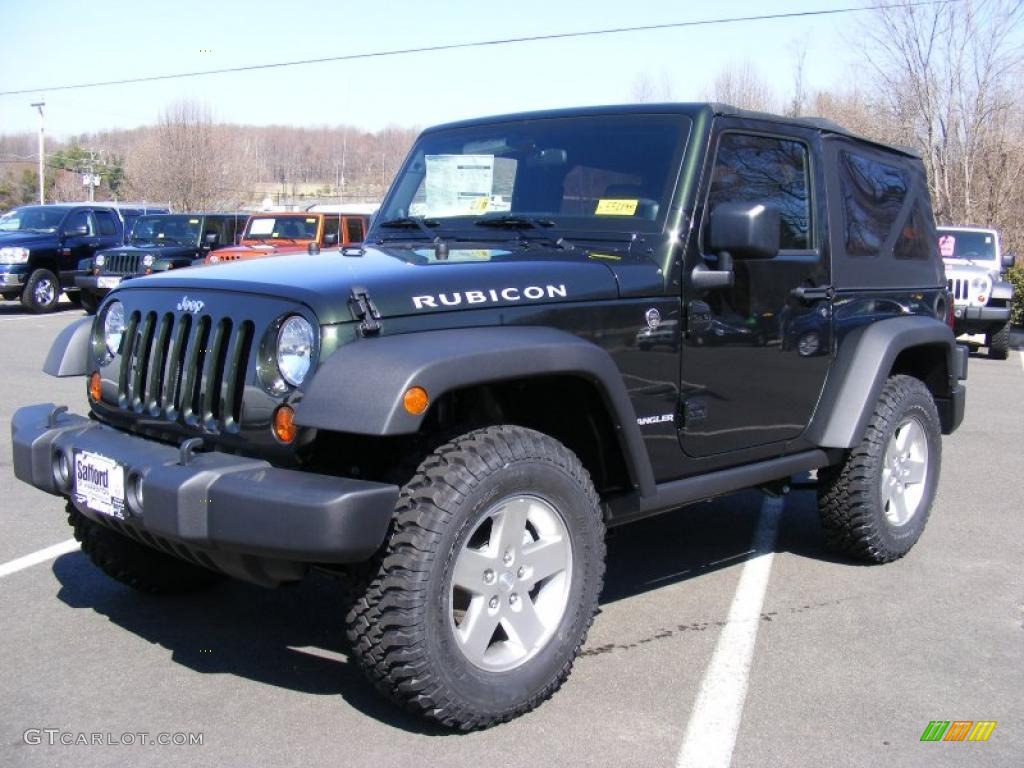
27,239
968,267
158,251
408,281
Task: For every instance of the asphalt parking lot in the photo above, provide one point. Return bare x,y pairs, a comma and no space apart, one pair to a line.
792,658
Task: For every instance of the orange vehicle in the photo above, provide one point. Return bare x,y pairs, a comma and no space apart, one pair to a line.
276,233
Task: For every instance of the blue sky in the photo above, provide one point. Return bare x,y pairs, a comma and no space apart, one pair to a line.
53,42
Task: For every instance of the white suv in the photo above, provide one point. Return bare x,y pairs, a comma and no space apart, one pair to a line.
981,299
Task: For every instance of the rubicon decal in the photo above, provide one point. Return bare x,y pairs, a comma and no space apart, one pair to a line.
490,296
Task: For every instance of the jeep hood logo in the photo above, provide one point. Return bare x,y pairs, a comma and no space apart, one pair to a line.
190,305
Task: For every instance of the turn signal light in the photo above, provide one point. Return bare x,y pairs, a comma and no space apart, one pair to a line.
95,386
415,400
284,424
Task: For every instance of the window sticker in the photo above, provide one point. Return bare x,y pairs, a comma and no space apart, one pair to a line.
480,205
947,246
193,221
616,207
456,183
311,221
261,226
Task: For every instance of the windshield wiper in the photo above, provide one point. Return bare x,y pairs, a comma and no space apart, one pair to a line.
509,221
425,226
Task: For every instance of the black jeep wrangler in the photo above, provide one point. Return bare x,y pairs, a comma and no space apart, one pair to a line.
451,415
157,244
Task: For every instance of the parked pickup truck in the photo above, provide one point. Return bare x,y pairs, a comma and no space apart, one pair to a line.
41,247
271,234
157,244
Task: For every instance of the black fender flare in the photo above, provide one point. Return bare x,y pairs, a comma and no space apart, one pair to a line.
860,370
1002,290
69,353
359,389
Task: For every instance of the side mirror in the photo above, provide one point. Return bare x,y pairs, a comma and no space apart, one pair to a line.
330,240
1009,258
210,239
745,230
79,231
313,248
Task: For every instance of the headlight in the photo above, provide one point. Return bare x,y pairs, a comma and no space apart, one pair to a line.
980,288
13,255
147,260
113,327
100,260
214,258
295,349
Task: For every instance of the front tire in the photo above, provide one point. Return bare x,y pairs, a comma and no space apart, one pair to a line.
999,343
488,583
41,292
134,564
875,505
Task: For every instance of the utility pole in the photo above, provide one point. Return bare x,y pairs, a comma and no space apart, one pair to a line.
39,105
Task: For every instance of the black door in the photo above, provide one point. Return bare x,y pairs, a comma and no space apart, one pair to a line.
79,246
756,354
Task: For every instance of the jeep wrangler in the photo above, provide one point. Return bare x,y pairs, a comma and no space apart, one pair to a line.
982,300
451,415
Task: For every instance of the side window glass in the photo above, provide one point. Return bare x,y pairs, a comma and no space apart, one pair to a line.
763,169
332,225
873,195
105,223
354,227
79,219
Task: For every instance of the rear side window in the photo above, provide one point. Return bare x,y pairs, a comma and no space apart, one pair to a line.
354,230
105,222
873,194
769,170
913,241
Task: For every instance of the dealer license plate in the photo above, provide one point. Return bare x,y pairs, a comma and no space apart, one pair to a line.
99,484
108,282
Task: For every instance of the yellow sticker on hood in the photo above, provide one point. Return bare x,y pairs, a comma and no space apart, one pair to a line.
616,207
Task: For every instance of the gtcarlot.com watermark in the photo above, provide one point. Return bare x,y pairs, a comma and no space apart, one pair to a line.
57,737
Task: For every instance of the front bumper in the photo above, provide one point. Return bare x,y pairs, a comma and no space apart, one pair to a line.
245,516
13,275
967,317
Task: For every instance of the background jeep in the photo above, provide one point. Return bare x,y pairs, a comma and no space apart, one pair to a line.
157,244
982,300
449,418
272,234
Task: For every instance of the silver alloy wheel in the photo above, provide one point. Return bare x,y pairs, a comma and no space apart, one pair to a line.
904,471
44,292
510,583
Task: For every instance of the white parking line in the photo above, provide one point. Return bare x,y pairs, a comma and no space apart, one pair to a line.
1022,358
43,555
715,720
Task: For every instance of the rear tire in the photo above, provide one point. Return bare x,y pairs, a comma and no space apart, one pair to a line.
457,622
138,566
41,292
875,505
999,343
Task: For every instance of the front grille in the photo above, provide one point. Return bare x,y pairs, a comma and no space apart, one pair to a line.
189,368
958,287
121,263
229,256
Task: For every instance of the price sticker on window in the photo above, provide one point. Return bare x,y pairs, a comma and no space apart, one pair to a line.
614,207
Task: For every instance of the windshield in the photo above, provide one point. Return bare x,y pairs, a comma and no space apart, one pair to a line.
34,218
281,228
166,230
974,245
612,172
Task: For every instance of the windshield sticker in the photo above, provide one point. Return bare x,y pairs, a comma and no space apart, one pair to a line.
456,183
193,221
480,205
612,207
947,246
988,240
160,235
262,226
311,221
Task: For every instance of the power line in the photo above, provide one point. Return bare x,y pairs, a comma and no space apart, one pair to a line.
479,44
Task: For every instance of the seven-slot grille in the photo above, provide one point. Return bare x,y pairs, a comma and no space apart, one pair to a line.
190,369
122,263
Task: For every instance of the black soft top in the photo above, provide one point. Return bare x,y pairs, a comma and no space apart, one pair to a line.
692,110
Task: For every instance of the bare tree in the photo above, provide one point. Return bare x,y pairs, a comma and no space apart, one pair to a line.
949,74
741,86
645,89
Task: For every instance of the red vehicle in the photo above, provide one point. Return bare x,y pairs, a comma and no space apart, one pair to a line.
277,233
